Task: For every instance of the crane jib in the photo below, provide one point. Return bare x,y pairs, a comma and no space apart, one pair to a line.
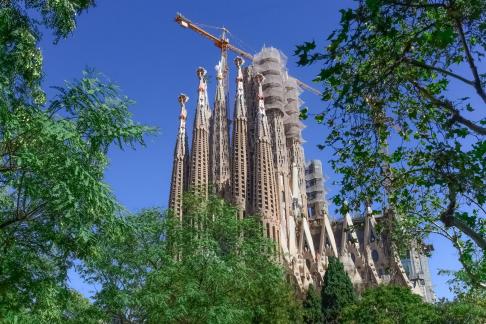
222,42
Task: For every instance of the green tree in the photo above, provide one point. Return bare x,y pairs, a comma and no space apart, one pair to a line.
404,137
470,308
337,291
390,304
53,201
312,307
211,268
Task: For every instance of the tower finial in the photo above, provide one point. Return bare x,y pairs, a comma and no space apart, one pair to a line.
183,99
239,77
259,78
203,95
239,61
201,74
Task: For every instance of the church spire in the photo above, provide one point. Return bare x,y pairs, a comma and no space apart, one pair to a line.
179,165
271,63
219,136
200,139
265,188
239,154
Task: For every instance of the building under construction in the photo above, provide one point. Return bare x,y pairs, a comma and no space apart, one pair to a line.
258,164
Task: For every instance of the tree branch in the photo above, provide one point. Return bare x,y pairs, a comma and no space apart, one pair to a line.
421,5
440,70
449,220
8,222
470,60
22,216
456,116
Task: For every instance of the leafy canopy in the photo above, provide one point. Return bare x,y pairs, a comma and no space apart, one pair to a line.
390,304
403,135
394,304
54,204
211,268
466,309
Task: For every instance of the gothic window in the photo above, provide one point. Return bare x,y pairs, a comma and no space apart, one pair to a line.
375,256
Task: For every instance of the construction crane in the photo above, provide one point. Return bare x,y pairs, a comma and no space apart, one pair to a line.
224,44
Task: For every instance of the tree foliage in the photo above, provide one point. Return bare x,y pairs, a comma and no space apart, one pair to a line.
406,117
337,291
312,307
211,268
390,304
394,304
470,308
54,204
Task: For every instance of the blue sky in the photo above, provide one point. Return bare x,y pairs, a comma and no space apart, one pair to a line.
138,45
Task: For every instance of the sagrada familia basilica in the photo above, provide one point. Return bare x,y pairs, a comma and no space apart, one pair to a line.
258,164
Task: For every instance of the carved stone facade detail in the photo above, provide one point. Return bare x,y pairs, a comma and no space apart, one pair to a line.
263,172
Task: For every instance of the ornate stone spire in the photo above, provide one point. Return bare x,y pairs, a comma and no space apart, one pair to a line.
265,188
199,168
250,89
271,63
179,168
219,137
239,154
263,172
293,133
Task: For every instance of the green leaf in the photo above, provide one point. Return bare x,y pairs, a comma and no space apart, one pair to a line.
303,113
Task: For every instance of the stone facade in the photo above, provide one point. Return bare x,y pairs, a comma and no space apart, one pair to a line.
366,255
263,172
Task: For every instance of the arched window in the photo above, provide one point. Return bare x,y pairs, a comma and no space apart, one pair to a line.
375,255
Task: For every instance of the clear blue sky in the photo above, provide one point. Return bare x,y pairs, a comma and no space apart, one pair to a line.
138,45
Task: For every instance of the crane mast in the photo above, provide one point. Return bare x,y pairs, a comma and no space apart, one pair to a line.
224,44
